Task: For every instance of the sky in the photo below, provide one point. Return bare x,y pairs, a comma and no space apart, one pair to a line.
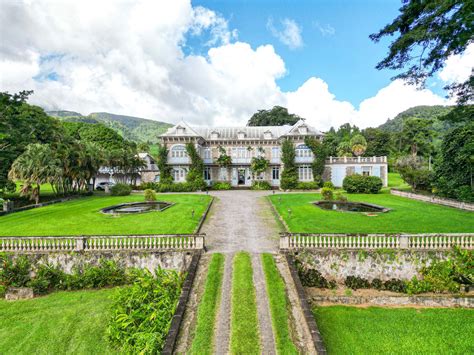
211,62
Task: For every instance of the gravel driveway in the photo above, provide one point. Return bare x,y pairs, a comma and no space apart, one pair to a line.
241,220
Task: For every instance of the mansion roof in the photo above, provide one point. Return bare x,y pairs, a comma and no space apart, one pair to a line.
182,129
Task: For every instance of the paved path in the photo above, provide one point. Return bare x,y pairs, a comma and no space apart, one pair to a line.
241,220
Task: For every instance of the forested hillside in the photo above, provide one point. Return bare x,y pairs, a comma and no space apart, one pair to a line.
424,112
131,128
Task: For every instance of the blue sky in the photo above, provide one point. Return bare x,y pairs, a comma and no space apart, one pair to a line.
345,60
211,62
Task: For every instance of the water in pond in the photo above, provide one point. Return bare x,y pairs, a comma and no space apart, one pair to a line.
349,206
137,207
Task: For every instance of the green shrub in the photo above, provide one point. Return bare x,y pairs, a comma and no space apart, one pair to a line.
14,272
261,185
221,185
310,185
147,185
176,187
327,194
356,282
48,278
3,291
149,195
328,184
107,273
395,285
313,278
289,179
445,275
142,313
362,184
377,284
120,190
339,196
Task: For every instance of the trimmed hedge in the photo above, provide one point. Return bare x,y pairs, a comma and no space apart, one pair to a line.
362,184
221,185
120,190
261,185
310,185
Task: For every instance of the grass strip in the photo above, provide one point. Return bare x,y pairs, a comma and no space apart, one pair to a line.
59,323
203,342
244,338
376,330
278,306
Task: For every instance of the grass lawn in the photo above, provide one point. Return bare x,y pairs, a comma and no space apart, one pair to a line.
60,323
395,181
83,217
351,330
244,337
279,306
407,216
203,342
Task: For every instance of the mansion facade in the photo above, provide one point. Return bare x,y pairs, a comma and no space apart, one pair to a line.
244,143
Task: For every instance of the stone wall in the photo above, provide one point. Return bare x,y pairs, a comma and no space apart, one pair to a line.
377,264
433,199
177,260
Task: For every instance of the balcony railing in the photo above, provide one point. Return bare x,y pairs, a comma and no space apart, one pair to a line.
353,160
178,160
304,159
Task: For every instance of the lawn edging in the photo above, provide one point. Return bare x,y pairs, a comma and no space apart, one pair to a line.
204,216
277,215
173,332
308,314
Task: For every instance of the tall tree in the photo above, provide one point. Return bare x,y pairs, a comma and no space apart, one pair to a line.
427,33
418,135
36,166
289,176
277,116
22,124
378,142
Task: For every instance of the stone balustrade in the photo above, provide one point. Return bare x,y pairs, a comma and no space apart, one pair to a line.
353,160
102,243
294,241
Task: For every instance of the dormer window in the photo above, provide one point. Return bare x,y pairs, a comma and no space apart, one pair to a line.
267,135
214,135
180,130
240,135
303,129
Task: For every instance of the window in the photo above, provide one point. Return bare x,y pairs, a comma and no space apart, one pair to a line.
178,151
207,173
157,178
275,152
276,173
179,174
366,170
241,153
302,151
267,135
305,173
206,153
350,170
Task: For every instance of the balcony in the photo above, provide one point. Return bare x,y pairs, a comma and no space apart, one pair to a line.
355,160
275,160
304,159
241,160
178,160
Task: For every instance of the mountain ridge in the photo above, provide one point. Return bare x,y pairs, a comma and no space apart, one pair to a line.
133,128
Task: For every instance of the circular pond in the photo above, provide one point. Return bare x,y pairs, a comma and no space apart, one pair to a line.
136,207
350,206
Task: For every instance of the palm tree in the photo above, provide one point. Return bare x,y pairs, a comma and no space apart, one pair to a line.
37,165
358,145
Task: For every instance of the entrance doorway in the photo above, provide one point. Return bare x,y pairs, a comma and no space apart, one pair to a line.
241,176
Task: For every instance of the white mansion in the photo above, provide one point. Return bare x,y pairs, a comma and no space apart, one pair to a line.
244,143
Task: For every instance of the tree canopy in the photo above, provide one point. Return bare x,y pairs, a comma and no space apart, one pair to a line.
277,116
427,33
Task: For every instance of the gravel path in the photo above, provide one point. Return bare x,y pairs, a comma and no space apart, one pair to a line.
222,334
241,220
263,308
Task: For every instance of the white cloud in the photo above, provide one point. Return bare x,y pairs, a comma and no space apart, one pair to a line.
290,33
128,58
326,30
458,68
